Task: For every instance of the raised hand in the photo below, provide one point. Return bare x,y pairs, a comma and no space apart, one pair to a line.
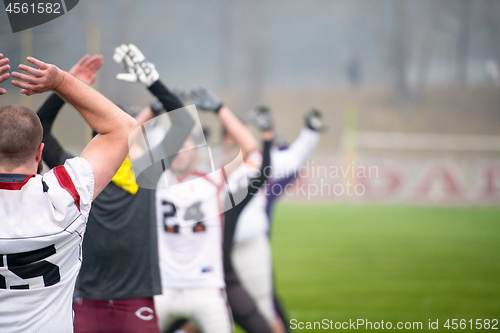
135,63
314,121
205,99
86,68
3,69
46,77
261,118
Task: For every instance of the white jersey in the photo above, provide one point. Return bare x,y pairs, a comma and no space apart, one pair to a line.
190,230
42,222
254,219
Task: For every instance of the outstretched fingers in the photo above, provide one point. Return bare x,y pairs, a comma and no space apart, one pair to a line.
4,61
4,69
27,78
21,84
36,81
4,77
37,63
31,70
30,80
28,92
82,60
95,62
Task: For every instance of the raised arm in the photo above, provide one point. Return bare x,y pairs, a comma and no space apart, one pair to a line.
182,122
4,67
140,70
106,151
238,297
286,162
167,100
231,216
241,134
53,153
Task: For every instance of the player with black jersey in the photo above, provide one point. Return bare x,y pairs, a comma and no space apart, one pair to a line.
243,306
120,274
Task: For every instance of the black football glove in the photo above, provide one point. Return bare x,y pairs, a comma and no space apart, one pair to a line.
261,118
181,93
205,99
314,121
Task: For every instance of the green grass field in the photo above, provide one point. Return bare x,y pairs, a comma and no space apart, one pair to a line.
390,263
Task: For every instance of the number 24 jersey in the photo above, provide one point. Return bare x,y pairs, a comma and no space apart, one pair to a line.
189,217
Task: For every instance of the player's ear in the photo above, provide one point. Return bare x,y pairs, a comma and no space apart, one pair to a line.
39,152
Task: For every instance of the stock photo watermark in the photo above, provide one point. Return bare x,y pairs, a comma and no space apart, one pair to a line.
319,180
26,14
365,324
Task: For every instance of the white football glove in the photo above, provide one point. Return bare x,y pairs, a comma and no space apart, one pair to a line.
135,63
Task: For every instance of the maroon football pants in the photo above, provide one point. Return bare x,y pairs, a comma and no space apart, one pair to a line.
135,315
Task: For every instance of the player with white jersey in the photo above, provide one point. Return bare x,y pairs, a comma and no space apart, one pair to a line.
43,218
190,250
41,249
189,213
116,284
251,254
191,239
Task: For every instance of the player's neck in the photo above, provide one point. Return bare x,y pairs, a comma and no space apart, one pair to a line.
181,174
20,170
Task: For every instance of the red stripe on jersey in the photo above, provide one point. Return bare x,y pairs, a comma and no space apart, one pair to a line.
14,186
66,183
205,176
221,209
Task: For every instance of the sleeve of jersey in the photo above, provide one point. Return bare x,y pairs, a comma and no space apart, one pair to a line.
288,161
76,177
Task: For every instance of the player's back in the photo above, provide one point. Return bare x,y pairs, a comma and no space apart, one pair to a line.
42,222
